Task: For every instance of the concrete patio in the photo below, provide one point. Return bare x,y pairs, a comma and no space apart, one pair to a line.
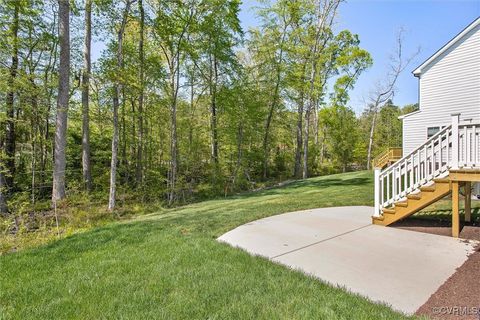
340,245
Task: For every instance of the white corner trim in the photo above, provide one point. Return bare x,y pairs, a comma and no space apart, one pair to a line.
403,116
447,46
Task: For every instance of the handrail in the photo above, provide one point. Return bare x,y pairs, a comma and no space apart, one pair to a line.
385,157
417,149
455,146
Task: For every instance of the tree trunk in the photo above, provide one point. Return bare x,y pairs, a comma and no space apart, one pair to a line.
10,135
192,112
174,81
213,108
315,126
7,172
299,134
45,128
323,143
123,130
86,169
305,144
370,140
58,190
114,160
34,124
239,152
273,106
139,162
3,192
116,96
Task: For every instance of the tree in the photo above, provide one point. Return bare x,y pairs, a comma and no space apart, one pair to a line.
8,144
196,113
385,89
87,66
218,30
58,190
117,91
141,95
326,12
342,130
271,46
172,25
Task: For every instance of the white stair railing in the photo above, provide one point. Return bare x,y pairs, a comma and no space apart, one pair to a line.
455,146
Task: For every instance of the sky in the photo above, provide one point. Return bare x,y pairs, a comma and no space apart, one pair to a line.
427,24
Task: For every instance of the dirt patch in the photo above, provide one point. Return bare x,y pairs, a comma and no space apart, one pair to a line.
469,231
459,297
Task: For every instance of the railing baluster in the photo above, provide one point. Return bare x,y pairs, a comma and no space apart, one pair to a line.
388,187
411,173
377,197
440,158
425,169
475,146
394,178
464,148
447,151
455,140
416,168
453,147
432,160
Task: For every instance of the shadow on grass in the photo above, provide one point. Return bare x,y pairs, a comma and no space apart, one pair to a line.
115,235
319,183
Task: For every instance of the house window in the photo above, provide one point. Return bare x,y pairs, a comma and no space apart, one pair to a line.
431,131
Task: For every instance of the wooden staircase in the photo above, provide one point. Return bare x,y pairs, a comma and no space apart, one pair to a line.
414,202
387,158
439,166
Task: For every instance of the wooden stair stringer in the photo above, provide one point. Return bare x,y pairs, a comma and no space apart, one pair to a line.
415,203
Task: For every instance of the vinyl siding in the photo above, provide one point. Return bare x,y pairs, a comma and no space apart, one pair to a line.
450,84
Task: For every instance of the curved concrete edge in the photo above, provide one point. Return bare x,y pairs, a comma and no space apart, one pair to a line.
341,247
276,235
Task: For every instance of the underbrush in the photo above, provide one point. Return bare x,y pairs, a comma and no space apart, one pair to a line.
31,226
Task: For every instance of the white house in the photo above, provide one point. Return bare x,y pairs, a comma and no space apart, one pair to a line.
449,82
441,141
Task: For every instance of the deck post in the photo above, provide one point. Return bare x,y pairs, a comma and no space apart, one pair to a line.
455,209
468,199
455,140
377,192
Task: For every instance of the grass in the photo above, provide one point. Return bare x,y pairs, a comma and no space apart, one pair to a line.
35,226
442,210
168,265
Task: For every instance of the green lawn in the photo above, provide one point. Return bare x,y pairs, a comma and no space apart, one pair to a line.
168,266
442,210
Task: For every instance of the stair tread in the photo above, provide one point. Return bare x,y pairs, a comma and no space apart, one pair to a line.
389,210
414,196
401,204
428,188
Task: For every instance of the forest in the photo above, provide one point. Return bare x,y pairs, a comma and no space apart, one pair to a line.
179,104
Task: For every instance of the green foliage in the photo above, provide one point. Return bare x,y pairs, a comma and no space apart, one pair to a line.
168,265
388,129
342,131
259,86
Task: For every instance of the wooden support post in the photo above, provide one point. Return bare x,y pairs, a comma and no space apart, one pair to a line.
455,210
468,200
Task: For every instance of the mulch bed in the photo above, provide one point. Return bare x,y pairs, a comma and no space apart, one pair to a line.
459,297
